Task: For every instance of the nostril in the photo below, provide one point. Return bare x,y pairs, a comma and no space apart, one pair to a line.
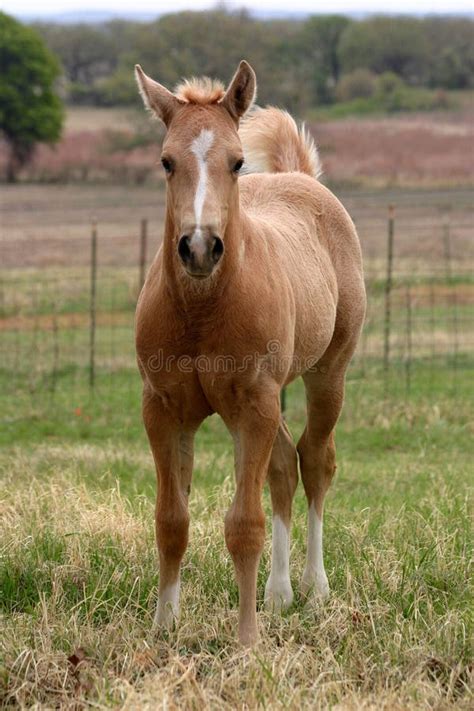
184,250
217,249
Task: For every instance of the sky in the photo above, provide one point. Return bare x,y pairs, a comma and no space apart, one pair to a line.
49,7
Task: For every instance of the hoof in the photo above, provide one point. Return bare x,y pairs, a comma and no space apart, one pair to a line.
249,638
167,610
316,586
166,617
278,596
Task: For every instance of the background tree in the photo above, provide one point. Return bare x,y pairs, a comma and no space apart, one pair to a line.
89,54
30,110
177,46
318,43
387,44
299,63
451,42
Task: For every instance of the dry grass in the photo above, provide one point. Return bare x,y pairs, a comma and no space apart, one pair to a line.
50,225
44,225
412,151
79,578
83,118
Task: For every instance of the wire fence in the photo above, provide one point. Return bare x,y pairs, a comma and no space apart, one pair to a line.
72,326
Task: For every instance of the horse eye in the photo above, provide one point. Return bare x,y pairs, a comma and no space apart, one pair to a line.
166,164
238,165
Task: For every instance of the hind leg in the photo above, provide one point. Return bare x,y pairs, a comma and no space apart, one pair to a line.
282,478
317,453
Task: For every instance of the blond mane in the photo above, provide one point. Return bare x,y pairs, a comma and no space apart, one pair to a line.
200,90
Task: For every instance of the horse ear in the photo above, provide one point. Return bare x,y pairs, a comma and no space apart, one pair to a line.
240,94
156,97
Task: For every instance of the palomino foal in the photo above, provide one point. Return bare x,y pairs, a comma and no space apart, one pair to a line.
258,280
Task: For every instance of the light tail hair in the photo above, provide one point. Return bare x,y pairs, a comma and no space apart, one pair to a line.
273,143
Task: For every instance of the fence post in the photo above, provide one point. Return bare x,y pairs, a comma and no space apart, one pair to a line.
93,299
388,291
35,351
408,340
143,249
433,330
54,374
447,246
363,346
454,303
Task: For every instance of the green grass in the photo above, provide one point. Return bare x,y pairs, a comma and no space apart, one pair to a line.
45,337
78,567
49,292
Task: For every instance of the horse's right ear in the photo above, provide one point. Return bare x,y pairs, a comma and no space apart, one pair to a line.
240,94
156,97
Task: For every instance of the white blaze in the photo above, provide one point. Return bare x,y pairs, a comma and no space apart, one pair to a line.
314,574
200,147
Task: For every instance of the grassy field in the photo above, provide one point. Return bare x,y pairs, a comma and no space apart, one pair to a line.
78,567
79,573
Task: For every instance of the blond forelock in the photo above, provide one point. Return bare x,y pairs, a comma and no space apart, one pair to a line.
200,91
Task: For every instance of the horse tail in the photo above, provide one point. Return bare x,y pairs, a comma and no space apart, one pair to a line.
273,143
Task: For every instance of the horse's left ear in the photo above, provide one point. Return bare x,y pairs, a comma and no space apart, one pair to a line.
241,91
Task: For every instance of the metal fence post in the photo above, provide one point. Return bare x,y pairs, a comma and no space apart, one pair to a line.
447,246
143,249
55,331
409,341
388,291
93,299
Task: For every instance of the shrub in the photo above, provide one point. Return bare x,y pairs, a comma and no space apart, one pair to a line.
389,83
359,84
119,88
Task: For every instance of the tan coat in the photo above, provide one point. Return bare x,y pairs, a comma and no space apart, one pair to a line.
259,280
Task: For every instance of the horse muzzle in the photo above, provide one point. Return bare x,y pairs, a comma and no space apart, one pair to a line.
200,253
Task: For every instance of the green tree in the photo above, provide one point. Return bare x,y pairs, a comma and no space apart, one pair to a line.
387,44
88,54
318,42
30,110
177,46
452,52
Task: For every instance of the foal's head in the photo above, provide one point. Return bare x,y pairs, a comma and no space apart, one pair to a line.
201,156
